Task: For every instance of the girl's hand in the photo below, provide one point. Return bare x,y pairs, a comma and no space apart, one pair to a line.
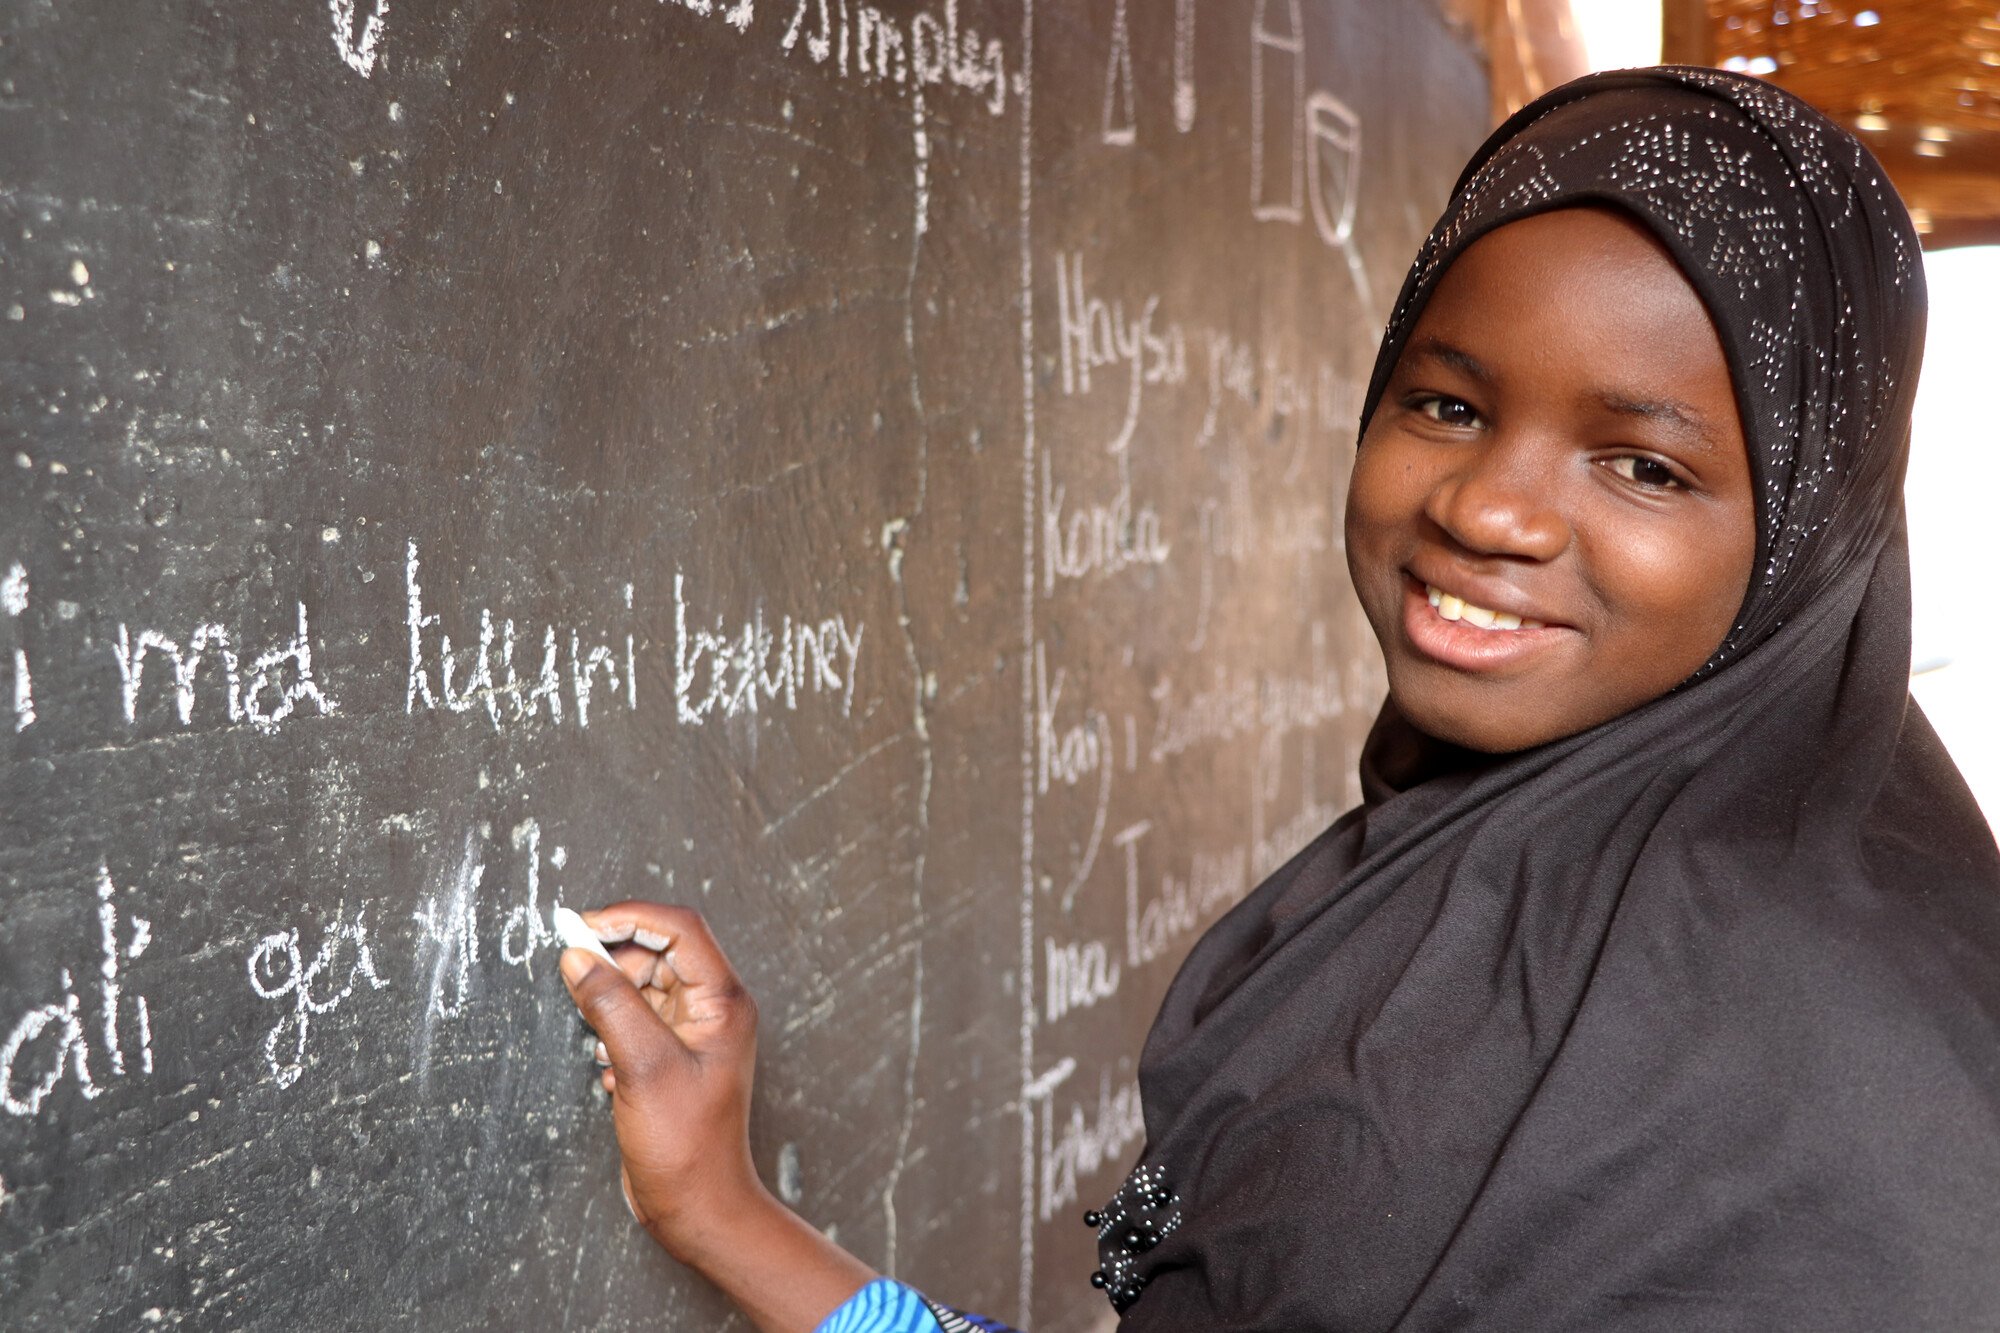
681,1036
681,1033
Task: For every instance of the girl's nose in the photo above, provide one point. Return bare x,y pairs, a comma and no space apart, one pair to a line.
1501,502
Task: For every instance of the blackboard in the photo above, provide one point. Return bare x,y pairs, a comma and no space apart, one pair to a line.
872,473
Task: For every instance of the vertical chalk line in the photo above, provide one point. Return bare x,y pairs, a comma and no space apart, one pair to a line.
1027,977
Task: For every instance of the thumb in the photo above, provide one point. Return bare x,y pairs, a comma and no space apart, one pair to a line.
638,1041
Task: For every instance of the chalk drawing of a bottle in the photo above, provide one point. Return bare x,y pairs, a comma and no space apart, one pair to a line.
1277,111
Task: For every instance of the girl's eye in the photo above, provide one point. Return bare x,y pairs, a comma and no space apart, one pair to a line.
1645,471
1447,411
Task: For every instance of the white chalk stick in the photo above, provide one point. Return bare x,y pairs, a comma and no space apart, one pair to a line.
576,935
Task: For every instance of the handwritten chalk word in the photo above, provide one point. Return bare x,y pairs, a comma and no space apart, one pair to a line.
69,1050
1098,538
528,929
1078,975
455,679
14,600
278,972
925,50
1183,905
357,46
749,663
1085,1146
1217,712
449,942
278,681
1277,704
1232,376
1096,334
1068,755
929,52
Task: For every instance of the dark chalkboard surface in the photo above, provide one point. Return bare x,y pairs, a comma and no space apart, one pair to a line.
873,474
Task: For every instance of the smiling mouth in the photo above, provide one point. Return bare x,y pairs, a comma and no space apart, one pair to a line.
1458,609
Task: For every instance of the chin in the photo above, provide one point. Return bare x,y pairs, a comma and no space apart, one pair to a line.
1470,724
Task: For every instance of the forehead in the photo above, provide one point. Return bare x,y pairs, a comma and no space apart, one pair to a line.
1590,292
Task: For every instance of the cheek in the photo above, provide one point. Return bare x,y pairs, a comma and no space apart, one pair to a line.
1675,591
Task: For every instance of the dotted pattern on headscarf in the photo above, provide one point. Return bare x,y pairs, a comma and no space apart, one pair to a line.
1803,255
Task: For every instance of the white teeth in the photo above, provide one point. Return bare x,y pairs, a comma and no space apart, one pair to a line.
1457,608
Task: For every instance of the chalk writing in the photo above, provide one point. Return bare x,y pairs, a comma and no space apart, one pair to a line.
449,943
14,600
1097,538
737,15
357,46
1277,703
69,1051
1068,756
278,971
527,928
1085,1145
459,680
1078,975
264,695
750,662
1183,905
1096,334
924,51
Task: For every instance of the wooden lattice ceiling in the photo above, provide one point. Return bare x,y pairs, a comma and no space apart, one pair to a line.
1917,80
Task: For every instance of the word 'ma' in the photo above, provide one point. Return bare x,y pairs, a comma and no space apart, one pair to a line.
486,676
276,683
751,662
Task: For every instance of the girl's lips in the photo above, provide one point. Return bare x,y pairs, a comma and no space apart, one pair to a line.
1465,646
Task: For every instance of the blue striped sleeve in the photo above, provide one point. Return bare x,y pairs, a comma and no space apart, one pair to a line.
885,1306
882,1306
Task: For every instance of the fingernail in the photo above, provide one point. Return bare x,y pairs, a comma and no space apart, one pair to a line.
576,965
602,1055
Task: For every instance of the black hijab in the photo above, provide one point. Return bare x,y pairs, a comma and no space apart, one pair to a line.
1692,1020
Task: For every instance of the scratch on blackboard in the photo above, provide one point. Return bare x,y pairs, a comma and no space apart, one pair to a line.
845,771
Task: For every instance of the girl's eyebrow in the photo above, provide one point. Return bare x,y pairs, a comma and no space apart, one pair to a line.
1678,417
1437,349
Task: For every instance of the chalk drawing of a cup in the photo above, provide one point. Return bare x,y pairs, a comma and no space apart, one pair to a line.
1333,161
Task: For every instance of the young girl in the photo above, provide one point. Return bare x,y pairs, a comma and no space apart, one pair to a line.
1656,981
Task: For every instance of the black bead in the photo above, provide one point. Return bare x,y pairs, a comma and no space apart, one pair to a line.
1093,1218
1097,1279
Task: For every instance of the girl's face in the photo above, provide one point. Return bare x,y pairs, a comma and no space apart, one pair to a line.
1552,518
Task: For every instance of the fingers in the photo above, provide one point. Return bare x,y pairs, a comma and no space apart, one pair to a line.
630,1029
677,934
